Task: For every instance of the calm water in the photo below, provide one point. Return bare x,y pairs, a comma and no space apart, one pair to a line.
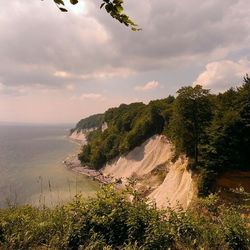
31,169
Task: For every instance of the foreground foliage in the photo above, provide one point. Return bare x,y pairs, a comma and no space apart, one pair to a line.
112,221
113,7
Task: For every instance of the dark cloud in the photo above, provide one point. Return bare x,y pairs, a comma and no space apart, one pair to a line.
37,40
177,30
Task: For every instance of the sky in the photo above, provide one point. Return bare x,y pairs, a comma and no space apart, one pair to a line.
60,67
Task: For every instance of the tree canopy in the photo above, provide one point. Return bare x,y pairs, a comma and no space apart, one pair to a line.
192,114
113,7
91,122
128,127
212,130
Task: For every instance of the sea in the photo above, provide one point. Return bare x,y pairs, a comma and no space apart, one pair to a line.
32,170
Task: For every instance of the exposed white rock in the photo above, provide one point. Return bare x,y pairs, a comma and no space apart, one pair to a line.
177,187
79,136
104,126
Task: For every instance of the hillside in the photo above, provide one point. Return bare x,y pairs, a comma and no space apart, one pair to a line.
86,125
91,122
128,126
213,131
156,173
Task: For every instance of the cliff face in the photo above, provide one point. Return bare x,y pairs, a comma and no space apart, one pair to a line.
78,136
142,160
165,181
177,187
162,179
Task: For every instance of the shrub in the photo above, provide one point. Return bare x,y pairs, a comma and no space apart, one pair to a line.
123,220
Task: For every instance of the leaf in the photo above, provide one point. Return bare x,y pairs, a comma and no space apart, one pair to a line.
102,5
119,9
108,7
59,2
63,10
73,2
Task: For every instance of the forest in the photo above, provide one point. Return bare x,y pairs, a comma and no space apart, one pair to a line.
212,130
93,121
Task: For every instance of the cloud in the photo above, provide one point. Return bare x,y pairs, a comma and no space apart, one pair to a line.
92,96
63,74
105,73
221,75
86,51
26,90
1,87
148,86
57,47
70,87
175,34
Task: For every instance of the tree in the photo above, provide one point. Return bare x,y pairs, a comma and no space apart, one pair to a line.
192,114
229,133
113,7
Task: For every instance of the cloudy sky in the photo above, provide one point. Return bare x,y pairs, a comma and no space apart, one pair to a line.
59,67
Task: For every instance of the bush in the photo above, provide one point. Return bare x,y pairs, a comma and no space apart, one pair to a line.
123,220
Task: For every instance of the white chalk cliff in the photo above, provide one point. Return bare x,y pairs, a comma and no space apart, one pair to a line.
78,136
176,189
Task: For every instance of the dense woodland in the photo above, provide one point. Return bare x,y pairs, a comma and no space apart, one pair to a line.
93,121
213,130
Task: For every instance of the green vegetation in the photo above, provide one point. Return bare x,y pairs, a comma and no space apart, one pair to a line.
213,130
113,7
128,127
192,112
111,221
93,121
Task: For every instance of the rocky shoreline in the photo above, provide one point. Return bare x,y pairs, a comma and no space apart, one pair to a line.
72,163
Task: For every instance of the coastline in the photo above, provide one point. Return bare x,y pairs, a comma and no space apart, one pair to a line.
73,164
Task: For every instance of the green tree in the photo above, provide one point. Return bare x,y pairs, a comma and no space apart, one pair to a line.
229,133
192,114
128,126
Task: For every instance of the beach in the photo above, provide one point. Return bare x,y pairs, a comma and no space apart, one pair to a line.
73,163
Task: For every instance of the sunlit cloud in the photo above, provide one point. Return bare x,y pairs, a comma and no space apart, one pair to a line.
148,86
70,87
62,74
105,73
1,87
92,96
221,75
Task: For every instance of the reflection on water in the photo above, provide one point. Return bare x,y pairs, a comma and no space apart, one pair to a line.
31,169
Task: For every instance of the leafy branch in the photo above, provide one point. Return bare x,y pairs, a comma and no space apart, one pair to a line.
113,7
